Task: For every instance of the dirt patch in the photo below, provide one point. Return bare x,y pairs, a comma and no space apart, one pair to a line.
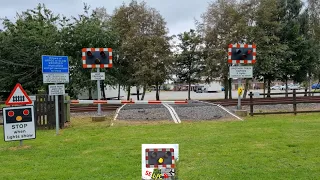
140,122
19,147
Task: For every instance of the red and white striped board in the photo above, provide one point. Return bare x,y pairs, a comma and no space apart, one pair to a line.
125,102
85,65
172,165
235,61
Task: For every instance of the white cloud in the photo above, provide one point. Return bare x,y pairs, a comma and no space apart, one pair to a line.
179,14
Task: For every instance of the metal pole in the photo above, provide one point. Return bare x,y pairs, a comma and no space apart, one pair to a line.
57,113
239,96
21,142
99,93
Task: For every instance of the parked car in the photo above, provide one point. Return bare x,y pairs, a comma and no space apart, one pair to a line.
222,89
276,87
283,87
315,86
293,86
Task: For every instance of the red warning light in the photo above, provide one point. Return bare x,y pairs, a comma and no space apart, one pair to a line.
89,53
102,54
26,112
10,113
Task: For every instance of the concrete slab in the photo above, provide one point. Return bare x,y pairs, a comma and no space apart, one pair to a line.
98,118
241,112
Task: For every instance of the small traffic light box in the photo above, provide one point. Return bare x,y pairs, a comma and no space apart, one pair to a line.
241,53
97,57
160,158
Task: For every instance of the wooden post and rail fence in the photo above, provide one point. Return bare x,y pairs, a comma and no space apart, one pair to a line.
45,117
44,111
294,100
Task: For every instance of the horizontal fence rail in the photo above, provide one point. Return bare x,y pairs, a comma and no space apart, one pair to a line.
125,102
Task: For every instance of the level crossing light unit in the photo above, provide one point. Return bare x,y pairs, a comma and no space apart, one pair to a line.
97,57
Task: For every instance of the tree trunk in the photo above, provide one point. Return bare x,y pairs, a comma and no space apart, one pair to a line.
90,93
246,88
103,91
230,88
226,87
264,87
309,84
157,91
128,95
286,87
119,88
189,89
143,92
138,92
269,90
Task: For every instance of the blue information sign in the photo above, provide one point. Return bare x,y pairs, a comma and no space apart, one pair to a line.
55,64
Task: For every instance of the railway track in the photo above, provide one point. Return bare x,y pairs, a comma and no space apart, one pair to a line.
91,108
266,101
74,108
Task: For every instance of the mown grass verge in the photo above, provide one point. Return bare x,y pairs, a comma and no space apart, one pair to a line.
261,147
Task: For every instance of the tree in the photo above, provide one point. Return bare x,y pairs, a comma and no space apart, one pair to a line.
222,24
189,63
143,46
266,33
88,30
291,37
314,36
22,44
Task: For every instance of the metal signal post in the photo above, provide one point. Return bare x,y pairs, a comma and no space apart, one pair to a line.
97,58
241,54
99,93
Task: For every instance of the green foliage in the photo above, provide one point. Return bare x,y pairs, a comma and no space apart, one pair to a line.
270,50
144,48
22,44
86,31
189,63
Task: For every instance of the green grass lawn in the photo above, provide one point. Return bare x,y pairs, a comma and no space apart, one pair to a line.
264,147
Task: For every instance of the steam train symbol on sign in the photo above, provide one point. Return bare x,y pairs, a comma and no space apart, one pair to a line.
160,158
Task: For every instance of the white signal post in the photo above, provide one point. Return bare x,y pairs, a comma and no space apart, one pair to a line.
235,59
239,94
99,93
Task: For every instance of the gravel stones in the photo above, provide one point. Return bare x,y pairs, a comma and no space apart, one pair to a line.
207,112
191,111
144,113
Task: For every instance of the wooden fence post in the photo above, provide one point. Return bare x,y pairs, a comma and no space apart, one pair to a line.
251,103
305,92
67,105
294,102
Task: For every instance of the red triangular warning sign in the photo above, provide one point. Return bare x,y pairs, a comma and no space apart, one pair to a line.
18,96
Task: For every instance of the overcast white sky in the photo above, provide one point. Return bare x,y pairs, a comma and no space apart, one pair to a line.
179,14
